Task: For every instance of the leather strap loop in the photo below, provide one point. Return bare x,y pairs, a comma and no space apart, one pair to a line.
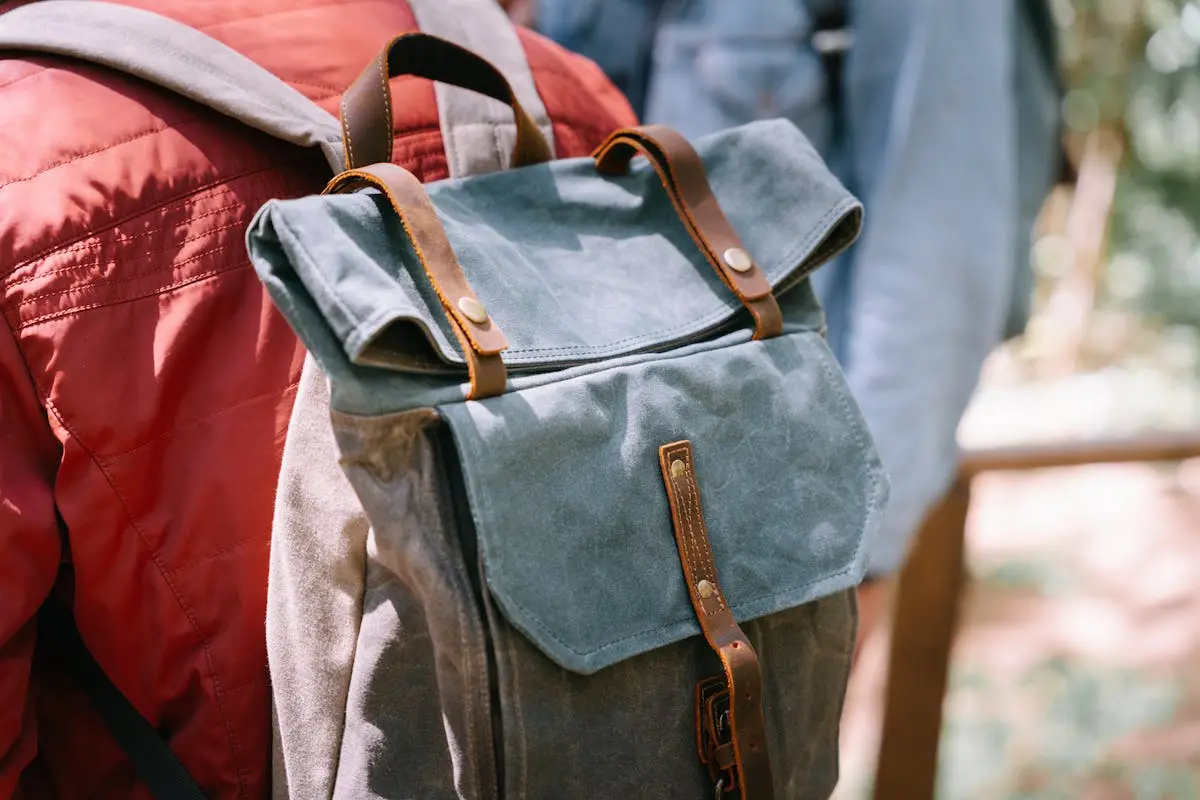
682,174
367,104
481,339
751,761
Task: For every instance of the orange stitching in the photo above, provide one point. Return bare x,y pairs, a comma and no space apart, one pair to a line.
701,548
222,182
472,349
686,539
692,555
79,156
41,71
686,514
693,547
241,404
219,553
468,356
416,246
637,140
451,312
708,567
757,312
69,312
384,68
667,179
347,139
130,279
118,242
732,277
321,98
324,87
678,519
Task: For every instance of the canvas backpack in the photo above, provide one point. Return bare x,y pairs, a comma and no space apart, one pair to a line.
609,494
602,494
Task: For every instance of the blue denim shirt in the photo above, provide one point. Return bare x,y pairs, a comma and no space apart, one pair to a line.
946,130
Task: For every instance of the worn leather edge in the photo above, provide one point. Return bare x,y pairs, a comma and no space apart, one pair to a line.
682,174
481,341
366,108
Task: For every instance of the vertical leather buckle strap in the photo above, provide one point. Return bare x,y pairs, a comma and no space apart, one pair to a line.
743,763
682,174
481,339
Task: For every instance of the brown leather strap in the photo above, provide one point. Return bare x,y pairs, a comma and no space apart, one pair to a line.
682,175
737,656
481,339
725,759
367,104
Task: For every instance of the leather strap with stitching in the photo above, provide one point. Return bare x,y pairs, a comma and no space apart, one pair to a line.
367,104
682,174
738,658
481,342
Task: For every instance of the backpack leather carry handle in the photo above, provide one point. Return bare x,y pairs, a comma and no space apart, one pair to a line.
367,104
681,173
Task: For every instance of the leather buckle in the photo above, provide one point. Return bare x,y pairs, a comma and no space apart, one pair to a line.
731,739
714,734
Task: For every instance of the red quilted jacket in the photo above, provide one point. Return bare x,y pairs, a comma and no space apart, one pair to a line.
146,381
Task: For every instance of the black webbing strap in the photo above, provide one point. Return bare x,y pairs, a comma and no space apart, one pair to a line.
152,759
831,38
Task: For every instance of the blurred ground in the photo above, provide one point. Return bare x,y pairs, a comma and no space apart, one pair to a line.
1077,671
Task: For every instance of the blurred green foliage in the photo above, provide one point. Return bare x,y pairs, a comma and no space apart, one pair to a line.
991,751
1131,67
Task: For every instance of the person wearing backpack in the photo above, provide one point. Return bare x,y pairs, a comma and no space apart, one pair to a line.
146,383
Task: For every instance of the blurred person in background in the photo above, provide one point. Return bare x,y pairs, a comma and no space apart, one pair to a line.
942,116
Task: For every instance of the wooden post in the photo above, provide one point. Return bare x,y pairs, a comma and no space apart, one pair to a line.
929,592
925,620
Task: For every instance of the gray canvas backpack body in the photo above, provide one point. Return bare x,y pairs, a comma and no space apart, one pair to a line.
603,494
574,496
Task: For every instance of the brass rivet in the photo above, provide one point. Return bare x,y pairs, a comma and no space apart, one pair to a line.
473,310
738,259
677,468
706,589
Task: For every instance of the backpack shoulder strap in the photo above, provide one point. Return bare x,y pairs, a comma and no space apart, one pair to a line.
176,57
478,132
151,756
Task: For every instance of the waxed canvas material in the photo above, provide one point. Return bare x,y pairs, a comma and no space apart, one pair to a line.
573,522
447,699
623,339
573,266
525,629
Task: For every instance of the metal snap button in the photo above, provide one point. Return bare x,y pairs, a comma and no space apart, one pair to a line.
473,310
706,589
677,468
738,259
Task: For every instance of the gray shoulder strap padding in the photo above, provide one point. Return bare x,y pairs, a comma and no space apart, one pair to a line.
176,57
478,132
